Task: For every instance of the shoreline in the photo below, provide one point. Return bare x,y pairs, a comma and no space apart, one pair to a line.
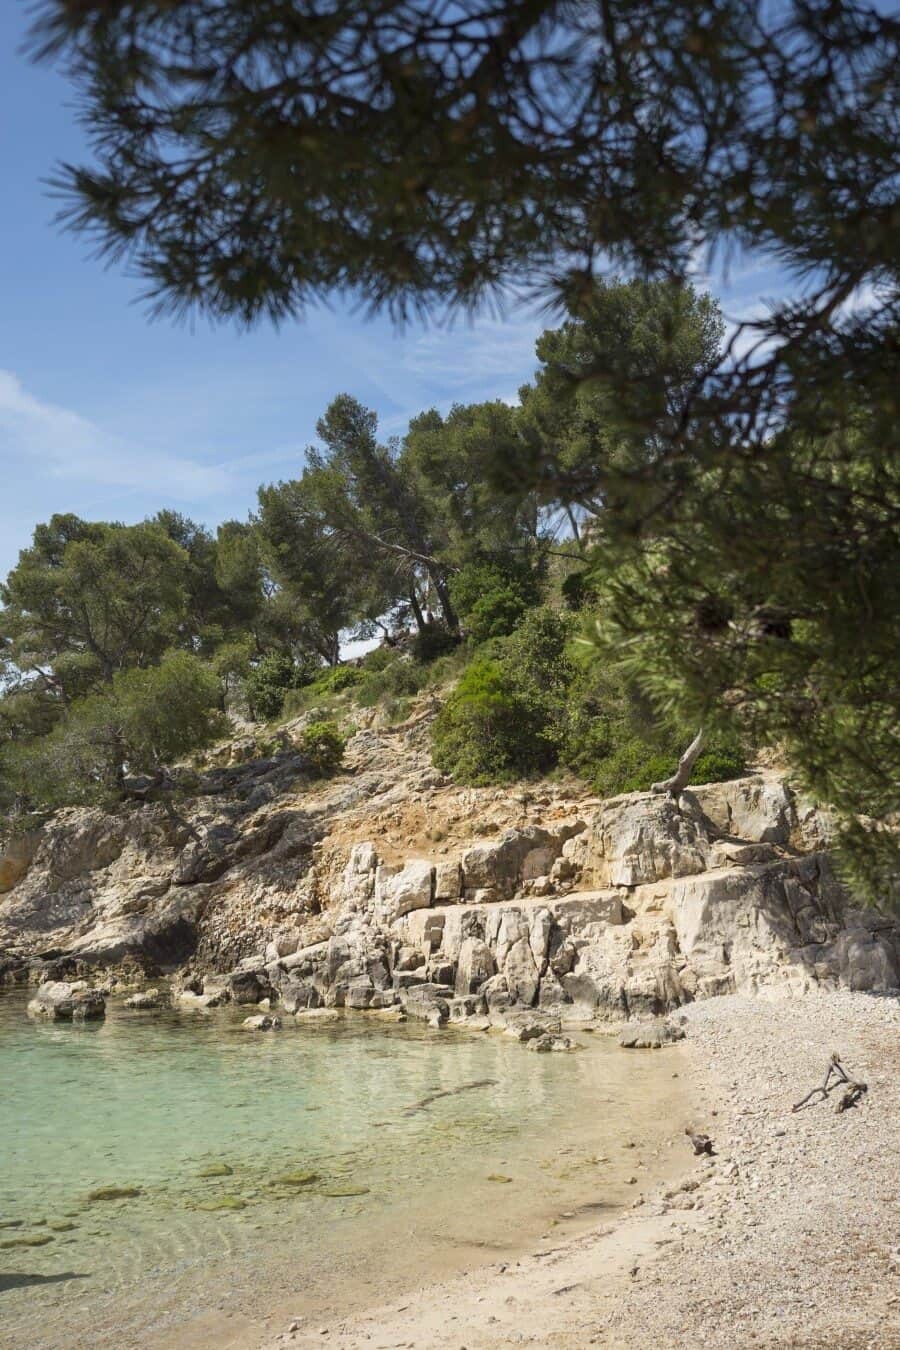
787,1237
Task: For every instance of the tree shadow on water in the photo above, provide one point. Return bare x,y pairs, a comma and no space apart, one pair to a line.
14,1280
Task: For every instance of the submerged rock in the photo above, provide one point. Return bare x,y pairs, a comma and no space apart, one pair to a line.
295,1180
224,1202
262,1022
218,1169
554,1044
113,1193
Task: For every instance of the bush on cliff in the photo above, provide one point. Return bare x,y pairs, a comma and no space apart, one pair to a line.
268,682
322,744
487,732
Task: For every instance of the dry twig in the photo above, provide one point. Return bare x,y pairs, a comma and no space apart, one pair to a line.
837,1073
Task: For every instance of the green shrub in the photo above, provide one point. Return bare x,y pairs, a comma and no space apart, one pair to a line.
336,679
486,732
433,641
614,741
267,683
579,589
400,678
635,764
491,598
322,744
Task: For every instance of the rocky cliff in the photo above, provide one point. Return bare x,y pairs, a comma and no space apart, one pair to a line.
387,884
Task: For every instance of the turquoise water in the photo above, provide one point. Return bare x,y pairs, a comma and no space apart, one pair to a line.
428,1150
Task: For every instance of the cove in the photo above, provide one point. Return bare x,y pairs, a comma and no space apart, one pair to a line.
167,1167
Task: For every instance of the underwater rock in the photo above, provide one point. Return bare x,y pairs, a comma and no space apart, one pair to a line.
113,1193
262,1022
223,1202
295,1179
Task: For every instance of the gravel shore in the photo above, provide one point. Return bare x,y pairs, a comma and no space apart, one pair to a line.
788,1236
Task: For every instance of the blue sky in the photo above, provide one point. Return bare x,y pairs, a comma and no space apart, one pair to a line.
107,414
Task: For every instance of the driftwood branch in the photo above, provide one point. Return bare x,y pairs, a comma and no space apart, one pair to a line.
682,775
835,1077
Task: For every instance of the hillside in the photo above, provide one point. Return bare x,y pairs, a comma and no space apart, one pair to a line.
388,882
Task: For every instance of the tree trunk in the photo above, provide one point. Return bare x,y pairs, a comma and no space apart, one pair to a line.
682,775
443,595
416,609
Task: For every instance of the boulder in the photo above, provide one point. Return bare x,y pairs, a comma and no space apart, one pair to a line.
469,1005
408,958
497,866
262,1022
650,1035
425,930
147,999
645,838
758,808
521,973
447,882
299,994
555,1044
399,890
421,1000
61,1001
198,1002
525,1029
475,965
359,993
495,992
249,986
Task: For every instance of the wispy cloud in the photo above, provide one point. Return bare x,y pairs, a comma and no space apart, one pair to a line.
70,446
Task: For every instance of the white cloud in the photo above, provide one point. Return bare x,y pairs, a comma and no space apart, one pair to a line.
70,446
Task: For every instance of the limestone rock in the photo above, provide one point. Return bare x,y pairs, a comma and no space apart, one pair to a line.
757,808
147,999
400,890
422,1000
525,1029
650,1035
554,1044
64,1002
248,986
645,838
498,865
475,965
463,1008
521,973
447,882
262,1022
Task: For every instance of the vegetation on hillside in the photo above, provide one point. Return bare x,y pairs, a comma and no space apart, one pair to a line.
496,546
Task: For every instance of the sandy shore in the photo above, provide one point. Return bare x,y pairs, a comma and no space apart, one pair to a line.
790,1236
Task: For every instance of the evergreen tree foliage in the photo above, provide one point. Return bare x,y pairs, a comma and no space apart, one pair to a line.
139,722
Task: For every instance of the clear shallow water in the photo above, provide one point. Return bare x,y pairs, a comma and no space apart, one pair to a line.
517,1145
